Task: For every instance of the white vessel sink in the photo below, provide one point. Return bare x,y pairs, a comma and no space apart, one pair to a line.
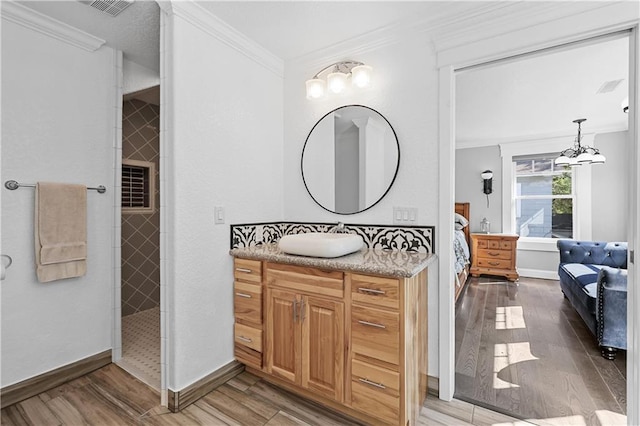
320,244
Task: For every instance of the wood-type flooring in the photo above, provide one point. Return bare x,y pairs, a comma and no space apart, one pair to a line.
523,350
111,396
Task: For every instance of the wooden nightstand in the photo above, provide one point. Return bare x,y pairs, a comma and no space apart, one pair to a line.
494,254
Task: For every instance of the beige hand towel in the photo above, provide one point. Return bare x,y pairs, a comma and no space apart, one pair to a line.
60,231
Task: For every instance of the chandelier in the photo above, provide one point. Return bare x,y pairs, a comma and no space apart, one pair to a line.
579,154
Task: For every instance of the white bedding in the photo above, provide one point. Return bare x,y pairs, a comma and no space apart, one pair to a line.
461,250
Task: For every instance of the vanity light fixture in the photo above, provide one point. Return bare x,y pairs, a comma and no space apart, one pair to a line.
337,76
579,154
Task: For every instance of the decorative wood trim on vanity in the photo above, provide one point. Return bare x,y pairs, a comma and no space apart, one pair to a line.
179,400
25,389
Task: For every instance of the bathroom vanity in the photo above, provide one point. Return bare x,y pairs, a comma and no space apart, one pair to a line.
348,332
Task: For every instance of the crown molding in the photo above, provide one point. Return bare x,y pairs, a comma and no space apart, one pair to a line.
29,18
567,137
201,18
394,33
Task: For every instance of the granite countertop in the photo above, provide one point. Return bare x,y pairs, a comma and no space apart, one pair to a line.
366,261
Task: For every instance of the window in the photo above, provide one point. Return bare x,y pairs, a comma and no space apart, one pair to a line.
544,197
138,186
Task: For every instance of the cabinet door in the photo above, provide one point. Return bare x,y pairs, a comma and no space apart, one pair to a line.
323,346
283,335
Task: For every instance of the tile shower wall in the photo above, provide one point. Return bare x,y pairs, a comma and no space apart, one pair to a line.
141,232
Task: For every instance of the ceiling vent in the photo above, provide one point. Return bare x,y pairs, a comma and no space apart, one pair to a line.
110,7
609,86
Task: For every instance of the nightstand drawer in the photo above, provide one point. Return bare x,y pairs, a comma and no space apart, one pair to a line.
483,244
494,263
375,333
247,302
494,254
375,290
247,270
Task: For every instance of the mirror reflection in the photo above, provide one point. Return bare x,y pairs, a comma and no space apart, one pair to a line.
350,159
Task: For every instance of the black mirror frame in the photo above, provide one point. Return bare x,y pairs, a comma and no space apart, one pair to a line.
390,183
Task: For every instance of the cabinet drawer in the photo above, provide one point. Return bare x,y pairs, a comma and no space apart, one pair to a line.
506,245
247,270
306,280
375,333
493,244
375,290
375,391
247,302
494,263
494,254
248,336
482,244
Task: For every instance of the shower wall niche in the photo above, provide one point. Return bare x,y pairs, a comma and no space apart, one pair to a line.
140,212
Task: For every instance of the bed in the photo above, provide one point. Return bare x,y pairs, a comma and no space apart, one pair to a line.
461,239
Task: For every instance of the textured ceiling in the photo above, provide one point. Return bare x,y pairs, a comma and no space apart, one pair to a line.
135,31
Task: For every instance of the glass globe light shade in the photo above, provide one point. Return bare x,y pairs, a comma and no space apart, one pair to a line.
598,159
573,161
315,88
361,76
563,160
336,81
585,158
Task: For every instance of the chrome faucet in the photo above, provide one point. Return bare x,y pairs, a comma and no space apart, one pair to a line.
337,228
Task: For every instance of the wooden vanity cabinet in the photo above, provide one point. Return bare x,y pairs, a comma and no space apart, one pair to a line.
355,342
247,308
305,328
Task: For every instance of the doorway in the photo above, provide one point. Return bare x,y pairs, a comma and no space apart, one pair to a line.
140,236
447,156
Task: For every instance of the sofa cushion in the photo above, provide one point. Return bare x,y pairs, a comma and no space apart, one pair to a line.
584,277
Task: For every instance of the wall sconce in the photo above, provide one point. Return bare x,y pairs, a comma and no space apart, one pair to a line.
337,75
487,187
625,105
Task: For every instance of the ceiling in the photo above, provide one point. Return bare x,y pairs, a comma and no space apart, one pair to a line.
540,95
536,95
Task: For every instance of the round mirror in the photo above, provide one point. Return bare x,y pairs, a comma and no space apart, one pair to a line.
350,159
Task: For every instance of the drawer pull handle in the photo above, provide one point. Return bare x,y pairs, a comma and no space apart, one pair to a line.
371,290
369,382
248,296
245,339
494,263
371,324
245,270
295,308
494,254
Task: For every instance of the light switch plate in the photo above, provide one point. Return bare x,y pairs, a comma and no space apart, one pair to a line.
405,216
218,215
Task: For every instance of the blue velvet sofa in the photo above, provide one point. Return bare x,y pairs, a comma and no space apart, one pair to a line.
593,277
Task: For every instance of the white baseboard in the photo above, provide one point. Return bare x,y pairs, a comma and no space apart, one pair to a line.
538,273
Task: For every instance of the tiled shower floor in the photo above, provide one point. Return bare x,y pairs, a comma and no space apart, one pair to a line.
141,346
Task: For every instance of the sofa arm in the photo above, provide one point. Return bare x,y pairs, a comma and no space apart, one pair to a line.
612,308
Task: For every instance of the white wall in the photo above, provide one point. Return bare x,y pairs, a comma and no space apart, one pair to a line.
136,77
225,149
470,163
401,72
58,124
610,188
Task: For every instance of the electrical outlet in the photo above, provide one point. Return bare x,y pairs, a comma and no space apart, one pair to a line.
259,233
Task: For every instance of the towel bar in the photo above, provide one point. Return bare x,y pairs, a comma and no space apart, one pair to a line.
12,184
